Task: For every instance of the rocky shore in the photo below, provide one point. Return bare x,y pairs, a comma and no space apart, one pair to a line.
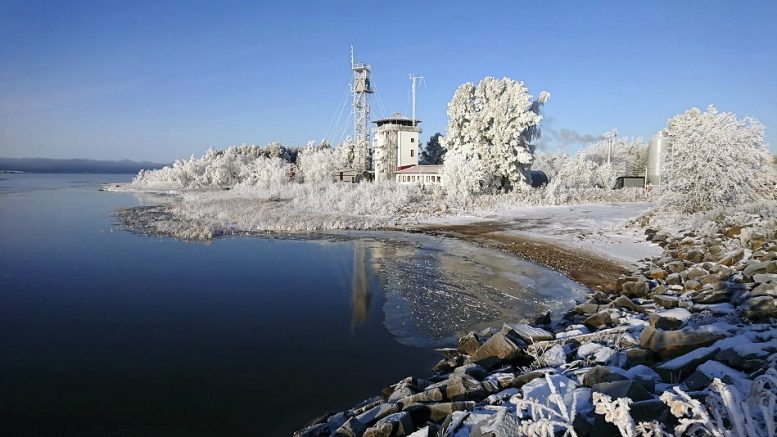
686,342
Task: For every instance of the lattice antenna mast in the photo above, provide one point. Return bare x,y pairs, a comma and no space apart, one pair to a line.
361,90
413,80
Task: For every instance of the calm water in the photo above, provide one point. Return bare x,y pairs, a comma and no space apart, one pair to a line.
102,330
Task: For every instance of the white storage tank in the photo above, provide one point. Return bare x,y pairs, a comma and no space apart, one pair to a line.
659,146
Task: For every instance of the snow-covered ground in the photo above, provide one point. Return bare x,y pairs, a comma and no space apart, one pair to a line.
600,228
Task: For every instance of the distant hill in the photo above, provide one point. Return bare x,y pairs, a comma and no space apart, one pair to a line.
47,165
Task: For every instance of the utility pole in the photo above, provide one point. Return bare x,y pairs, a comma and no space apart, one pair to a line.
413,80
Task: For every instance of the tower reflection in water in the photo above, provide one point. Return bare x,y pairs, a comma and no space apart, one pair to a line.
361,295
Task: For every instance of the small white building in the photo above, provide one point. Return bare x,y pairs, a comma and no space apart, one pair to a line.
395,145
420,175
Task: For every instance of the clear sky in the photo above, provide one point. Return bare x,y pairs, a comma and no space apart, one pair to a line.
161,80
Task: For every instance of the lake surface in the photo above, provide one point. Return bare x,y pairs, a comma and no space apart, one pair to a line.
103,330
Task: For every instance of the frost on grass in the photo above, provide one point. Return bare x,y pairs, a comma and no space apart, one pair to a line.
550,416
725,411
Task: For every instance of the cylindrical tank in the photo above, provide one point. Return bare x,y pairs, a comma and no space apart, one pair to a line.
657,150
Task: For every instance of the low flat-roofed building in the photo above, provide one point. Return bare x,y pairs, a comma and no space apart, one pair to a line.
419,174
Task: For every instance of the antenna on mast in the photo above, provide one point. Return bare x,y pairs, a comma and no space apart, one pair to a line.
413,80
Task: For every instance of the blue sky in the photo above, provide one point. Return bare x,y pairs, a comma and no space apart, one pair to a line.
161,80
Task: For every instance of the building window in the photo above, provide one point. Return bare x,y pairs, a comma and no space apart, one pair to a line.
412,140
412,153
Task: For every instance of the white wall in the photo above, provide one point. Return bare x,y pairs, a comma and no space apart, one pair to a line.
408,148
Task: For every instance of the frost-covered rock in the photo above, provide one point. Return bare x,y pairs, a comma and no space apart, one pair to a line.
674,343
554,357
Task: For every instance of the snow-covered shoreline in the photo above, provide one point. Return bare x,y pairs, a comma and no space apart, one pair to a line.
597,228
693,324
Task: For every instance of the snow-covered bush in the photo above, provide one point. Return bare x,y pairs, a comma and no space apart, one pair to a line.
462,177
594,168
716,160
244,164
495,121
549,163
292,208
318,163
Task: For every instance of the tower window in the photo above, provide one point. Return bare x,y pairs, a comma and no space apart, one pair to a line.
412,153
412,140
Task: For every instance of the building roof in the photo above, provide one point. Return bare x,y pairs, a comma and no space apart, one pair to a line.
421,169
396,118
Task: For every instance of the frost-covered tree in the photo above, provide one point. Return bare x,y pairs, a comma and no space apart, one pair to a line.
276,150
220,169
361,157
627,156
549,163
596,166
716,160
319,162
347,150
463,177
434,152
496,121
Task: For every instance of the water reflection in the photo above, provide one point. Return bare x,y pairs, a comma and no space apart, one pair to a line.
361,295
433,289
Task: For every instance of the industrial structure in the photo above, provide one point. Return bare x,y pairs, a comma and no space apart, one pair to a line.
361,90
396,140
658,148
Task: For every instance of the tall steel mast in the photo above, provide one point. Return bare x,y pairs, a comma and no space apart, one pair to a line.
361,90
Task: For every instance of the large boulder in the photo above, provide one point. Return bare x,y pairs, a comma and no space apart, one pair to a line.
636,289
712,296
464,388
554,357
600,374
666,301
633,390
669,319
378,412
527,333
444,409
754,267
707,371
674,343
468,344
602,319
397,424
499,346
768,289
431,395
680,367
625,302
759,309
652,410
